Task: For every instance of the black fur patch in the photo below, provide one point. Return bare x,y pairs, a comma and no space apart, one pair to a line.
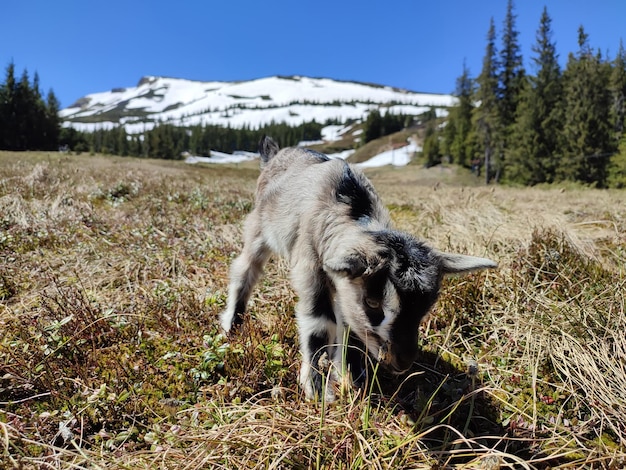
351,191
405,329
322,303
240,309
418,267
374,291
416,274
374,315
318,345
319,156
357,361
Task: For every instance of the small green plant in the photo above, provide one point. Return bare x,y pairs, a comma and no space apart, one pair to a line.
216,350
117,194
274,355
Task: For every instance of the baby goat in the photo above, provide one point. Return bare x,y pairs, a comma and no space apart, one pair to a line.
360,283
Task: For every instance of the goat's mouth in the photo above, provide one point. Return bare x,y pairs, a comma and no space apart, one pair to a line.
384,355
390,361
397,369
399,364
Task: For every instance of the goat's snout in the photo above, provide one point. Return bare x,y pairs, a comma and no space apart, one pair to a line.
397,363
401,364
383,353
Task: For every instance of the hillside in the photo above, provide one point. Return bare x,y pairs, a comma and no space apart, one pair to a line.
252,103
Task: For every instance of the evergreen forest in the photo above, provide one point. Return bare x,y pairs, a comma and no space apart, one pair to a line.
27,120
552,125
170,142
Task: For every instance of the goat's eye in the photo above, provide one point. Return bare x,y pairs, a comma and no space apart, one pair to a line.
374,311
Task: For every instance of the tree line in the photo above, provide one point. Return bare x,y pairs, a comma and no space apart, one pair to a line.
170,142
27,120
377,125
551,126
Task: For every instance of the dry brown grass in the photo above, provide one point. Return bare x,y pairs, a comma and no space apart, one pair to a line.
112,273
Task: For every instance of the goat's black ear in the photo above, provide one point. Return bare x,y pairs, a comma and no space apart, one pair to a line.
267,148
463,264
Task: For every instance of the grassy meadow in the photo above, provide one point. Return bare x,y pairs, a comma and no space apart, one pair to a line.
113,271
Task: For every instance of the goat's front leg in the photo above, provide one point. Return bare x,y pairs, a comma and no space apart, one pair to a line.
318,333
244,273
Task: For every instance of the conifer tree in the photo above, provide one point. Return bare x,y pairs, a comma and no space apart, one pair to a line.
373,126
25,109
25,120
38,115
3,116
587,128
486,116
617,87
8,110
511,83
458,130
52,122
431,148
534,147
617,166
122,146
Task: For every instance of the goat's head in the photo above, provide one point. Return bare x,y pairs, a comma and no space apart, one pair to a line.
385,284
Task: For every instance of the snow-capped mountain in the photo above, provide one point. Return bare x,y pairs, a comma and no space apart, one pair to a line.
252,103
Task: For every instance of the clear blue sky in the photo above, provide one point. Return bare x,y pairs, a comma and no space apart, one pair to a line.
87,46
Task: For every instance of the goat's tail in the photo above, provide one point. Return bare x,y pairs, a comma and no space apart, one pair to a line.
267,149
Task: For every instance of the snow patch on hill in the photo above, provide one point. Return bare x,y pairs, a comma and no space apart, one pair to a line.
397,157
253,103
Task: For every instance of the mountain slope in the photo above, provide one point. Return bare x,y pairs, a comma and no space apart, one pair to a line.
252,103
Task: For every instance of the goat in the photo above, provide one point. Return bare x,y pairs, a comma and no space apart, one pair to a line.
363,287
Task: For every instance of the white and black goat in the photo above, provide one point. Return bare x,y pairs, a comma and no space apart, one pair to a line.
358,280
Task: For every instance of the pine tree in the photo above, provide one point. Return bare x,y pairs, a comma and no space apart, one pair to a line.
122,146
457,133
587,126
25,109
511,82
3,116
431,148
8,109
52,122
26,121
534,148
373,126
617,166
617,87
486,116
38,124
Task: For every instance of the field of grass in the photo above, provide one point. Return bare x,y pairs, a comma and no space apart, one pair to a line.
113,272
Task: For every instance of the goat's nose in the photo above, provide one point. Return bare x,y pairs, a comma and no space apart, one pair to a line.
403,358
402,363
383,353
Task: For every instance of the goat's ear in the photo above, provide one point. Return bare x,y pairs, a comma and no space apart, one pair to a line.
354,265
463,264
267,148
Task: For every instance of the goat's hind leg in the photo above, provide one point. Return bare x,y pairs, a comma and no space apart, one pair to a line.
244,274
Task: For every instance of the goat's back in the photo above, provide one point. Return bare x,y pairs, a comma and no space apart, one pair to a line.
300,190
